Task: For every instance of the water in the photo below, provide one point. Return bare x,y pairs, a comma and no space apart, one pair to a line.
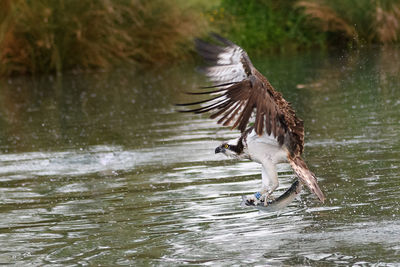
98,168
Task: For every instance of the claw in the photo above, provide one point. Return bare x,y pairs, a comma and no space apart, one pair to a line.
249,202
252,200
258,199
267,198
271,197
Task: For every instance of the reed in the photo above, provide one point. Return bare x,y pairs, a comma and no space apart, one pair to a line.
44,36
361,22
328,20
269,25
387,23
52,36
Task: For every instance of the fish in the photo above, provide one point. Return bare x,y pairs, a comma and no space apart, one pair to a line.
277,204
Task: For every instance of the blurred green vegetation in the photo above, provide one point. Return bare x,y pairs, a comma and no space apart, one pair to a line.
267,26
53,36
358,22
45,36
270,25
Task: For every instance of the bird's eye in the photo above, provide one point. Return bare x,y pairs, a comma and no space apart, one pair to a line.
226,146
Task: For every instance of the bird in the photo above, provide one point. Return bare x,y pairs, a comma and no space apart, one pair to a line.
242,98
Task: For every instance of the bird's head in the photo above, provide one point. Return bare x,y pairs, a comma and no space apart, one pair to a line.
232,148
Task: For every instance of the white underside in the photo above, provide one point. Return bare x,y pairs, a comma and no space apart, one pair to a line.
266,150
260,148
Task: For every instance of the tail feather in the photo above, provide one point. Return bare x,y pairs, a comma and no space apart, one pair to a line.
306,176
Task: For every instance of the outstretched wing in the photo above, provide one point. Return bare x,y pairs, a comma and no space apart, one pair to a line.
227,64
240,92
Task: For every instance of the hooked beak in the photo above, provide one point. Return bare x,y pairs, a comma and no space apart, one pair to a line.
218,150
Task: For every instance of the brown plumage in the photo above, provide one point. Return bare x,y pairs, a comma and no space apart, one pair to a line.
242,92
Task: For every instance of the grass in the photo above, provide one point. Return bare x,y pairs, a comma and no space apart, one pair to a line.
44,36
270,25
267,25
52,36
355,21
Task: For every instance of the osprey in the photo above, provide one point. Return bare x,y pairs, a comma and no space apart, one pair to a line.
243,98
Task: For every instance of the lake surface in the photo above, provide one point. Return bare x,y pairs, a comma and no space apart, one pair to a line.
99,169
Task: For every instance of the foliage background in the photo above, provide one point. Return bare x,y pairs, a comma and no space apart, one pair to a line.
46,36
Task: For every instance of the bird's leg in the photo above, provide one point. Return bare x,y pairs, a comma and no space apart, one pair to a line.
253,199
269,181
266,194
260,196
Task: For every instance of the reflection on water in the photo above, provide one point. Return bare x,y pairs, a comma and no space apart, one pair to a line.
99,169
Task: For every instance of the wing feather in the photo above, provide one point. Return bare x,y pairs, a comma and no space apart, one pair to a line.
222,110
243,91
230,114
306,176
259,120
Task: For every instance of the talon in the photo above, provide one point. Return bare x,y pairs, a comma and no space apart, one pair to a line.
252,200
271,197
267,198
264,197
249,203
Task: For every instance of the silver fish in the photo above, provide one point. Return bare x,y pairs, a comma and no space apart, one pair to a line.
277,204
